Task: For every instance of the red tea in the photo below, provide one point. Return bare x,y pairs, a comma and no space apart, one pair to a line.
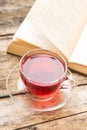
42,72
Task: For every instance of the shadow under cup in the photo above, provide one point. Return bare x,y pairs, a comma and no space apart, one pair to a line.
43,73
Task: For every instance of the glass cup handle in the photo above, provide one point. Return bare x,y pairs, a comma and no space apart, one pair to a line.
69,81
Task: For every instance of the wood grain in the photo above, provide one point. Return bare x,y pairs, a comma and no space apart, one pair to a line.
12,13
75,122
71,117
7,61
17,116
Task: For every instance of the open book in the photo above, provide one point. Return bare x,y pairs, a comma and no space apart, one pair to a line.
57,25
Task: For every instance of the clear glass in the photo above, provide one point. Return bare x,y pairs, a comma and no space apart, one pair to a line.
24,98
43,63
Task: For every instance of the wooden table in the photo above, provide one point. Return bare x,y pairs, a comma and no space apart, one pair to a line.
71,117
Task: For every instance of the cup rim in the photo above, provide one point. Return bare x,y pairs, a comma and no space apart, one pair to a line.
37,82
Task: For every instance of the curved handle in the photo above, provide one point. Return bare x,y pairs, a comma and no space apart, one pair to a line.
69,81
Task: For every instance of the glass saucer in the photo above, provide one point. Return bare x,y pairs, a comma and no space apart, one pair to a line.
22,98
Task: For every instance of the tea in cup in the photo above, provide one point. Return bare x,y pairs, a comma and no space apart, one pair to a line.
44,73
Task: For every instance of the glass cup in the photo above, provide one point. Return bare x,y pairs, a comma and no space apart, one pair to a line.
44,74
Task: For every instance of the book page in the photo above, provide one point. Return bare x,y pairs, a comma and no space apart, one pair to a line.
28,33
29,37
80,53
61,21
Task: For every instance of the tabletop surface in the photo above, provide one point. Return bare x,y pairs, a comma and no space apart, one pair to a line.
73,116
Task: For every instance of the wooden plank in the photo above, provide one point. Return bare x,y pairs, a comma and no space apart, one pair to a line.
12,14
75,122
82,79
14,116
7,61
